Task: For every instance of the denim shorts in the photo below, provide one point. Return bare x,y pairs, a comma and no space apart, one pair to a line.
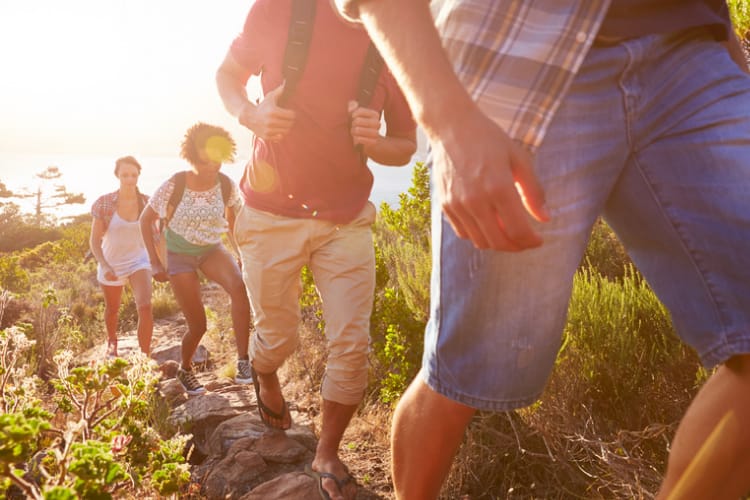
654,134
184,263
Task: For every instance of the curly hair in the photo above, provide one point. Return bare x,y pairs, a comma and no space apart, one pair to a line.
215,143
126,159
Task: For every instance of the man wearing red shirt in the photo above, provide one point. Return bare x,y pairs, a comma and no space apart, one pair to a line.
306,190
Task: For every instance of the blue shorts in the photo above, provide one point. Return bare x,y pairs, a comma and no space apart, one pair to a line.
654,134
184,263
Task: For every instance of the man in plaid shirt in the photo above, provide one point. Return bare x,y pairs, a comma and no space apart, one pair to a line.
541,116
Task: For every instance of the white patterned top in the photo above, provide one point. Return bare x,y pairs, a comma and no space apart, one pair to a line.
199,217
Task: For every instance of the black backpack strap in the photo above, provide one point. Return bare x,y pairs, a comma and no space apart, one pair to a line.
368,78
297,45
176,197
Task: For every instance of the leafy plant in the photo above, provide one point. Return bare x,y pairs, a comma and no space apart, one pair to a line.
739,11
403,261
101,440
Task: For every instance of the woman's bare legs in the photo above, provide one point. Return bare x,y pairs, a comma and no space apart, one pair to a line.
221,267
186,289
140,281
112,296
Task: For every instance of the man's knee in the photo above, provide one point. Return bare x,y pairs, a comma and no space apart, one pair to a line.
269,351
346,378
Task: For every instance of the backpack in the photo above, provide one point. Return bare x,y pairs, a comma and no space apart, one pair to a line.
179,189
298,44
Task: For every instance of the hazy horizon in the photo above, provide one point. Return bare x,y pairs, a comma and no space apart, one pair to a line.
85,76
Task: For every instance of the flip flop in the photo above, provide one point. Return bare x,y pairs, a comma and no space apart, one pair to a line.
266,414
319,476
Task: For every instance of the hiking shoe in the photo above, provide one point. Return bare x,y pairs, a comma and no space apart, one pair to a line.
244,375
190,382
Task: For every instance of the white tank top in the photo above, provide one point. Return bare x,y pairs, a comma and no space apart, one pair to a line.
123,249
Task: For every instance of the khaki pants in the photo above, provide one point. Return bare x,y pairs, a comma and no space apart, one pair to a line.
342,260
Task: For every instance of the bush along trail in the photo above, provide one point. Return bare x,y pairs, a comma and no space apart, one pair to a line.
99,430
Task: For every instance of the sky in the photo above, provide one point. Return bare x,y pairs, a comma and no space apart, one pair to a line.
102,76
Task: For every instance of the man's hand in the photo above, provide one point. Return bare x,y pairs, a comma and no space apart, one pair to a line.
267,119
365,125
486,185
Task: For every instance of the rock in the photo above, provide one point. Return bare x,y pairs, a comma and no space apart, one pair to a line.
276,447
291,486
229,431
234,475
249,425
172,392
169,368
173,353
200,415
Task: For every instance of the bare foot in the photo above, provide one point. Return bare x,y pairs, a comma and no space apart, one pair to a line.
111,350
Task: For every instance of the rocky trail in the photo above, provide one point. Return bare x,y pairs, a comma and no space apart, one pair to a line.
234,455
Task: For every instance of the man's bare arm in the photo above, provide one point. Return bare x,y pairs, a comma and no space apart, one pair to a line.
477,166
266,119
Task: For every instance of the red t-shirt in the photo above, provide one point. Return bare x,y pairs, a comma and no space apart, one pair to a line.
314,171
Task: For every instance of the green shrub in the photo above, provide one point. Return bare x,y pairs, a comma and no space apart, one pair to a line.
604,252
739,11
401,309
620,346
12,276
105,440
163,303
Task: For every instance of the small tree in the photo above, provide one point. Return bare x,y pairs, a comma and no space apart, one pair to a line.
5,192
43,200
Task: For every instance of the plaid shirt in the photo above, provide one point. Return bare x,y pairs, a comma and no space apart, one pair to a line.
516,58
105,206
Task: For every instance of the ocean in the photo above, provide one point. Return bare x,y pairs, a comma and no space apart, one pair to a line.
94,175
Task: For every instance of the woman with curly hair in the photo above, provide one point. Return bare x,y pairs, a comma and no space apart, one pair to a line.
197,206
118,248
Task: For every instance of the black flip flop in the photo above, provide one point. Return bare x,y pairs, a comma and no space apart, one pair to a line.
319,476
266,414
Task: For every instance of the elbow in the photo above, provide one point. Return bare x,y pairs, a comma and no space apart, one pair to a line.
405,154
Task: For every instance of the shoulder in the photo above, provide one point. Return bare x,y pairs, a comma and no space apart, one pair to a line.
105,204
265,13
107,198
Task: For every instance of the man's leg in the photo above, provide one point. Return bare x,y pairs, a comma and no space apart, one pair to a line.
426,433
719,469
336,418
273,253
680,207
343,265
